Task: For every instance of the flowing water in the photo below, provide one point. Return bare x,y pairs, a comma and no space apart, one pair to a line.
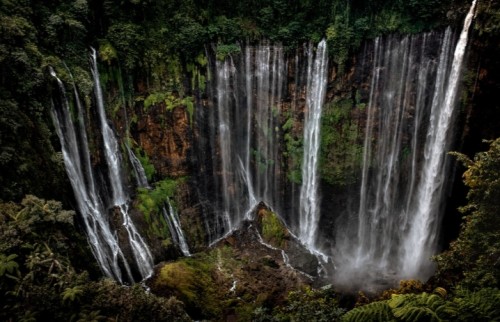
72,135
139,248
410,112
421,241
249,92
139,172
309,201
173,223
247,96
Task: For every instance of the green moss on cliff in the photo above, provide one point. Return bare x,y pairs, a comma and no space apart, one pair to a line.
341,143
273,229
201,282
151,203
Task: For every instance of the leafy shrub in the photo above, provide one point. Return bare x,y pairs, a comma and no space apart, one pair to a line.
472,260
310,305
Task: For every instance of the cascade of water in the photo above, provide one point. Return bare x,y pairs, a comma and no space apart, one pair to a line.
139,172
140,250
171,216
102,240
225,74
421,241
247,129
413,92
175,229
316,90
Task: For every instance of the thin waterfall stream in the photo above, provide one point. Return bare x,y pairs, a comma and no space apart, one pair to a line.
309,200
140,250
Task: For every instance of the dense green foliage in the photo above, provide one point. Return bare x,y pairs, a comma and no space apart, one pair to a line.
461,306
44,272
472,260
304,305
153,52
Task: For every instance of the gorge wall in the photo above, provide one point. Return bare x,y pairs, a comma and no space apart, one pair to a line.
227,130
244,140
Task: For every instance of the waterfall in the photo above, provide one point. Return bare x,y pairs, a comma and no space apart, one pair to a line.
140,174
252,99
409,117
139,249
170,215
229,208
102,240
248,89
316,90
175,229
422,238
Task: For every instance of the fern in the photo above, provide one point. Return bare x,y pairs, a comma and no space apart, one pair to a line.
72,293
483,305
373,312
418,307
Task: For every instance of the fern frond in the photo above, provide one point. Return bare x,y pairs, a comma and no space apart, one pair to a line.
72,293
373,312
441,292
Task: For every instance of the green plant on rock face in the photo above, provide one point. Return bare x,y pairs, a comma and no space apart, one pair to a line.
107,52
273,229
224,50
149,168
171,101
151,202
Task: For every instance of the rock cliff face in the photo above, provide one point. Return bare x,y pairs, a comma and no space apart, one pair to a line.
165,136
181,143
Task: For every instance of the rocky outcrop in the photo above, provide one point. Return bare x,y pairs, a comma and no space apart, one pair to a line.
239,273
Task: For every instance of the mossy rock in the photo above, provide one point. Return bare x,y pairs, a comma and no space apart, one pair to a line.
272,228
191,281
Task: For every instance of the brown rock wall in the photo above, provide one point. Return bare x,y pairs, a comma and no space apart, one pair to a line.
165,136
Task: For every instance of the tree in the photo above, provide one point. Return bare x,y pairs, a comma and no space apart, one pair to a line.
473,260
